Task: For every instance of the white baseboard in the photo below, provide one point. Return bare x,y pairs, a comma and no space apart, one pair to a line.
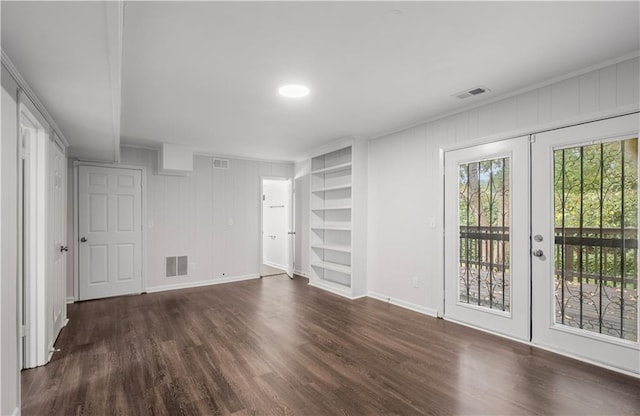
66,321
70,299
16,412
301,273
335,289
404,304
215,281
276,265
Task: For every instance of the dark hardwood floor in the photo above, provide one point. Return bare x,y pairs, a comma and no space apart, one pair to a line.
279,346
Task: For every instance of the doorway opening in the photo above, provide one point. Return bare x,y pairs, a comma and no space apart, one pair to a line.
277,236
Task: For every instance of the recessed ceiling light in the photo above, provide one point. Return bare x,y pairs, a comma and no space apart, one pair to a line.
293,91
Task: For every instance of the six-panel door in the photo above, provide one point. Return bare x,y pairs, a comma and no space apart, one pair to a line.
109,232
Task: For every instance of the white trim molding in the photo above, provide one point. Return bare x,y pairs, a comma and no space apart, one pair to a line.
404,304
201,283
334,288
70,300
301,273
26,89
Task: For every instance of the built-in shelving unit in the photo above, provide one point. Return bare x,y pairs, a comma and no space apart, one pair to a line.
331,222
330,188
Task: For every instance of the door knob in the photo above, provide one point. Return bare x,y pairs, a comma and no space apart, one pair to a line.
83,240
64,248
538,253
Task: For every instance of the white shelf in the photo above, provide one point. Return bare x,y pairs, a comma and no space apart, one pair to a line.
332,227
333,247
341,268
333,179
332,208
331,188
333,169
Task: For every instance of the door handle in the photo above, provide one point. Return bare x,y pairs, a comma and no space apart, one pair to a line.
291,233
538,253
64,248
83,240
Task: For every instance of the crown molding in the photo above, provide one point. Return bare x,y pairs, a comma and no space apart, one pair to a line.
26,89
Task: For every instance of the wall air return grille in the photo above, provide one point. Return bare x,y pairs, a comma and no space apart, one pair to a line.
221,163
471,92
176,266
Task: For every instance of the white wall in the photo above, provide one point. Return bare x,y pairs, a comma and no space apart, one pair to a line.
10,375
2,100
404,172
275,214
213,216
301,214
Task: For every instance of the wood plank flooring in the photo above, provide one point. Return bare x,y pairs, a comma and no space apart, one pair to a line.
279,346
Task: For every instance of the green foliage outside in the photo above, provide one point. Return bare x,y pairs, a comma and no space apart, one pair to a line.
596,186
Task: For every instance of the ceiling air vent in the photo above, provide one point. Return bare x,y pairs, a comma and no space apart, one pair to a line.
221,163
472,92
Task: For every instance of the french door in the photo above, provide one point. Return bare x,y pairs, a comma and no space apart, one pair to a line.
487,236
585,241
556,212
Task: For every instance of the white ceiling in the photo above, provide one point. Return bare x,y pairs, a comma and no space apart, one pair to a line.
206,74
64,52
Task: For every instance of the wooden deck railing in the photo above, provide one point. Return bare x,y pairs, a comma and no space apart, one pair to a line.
572,248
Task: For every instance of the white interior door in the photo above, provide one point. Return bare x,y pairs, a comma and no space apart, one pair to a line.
57,218
290,228
585,246
109,231
487,236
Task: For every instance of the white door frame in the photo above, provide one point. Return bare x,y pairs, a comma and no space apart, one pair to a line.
76,213
34,239
291,242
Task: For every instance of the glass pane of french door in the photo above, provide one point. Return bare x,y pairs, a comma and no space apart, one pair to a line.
584,222
596,237
484,233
